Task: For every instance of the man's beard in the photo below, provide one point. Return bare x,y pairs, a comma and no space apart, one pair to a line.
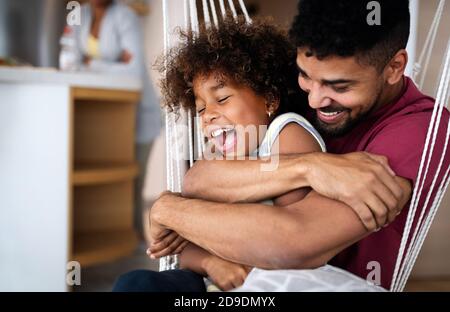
349,124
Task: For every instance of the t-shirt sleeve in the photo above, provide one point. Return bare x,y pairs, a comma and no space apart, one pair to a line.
402,142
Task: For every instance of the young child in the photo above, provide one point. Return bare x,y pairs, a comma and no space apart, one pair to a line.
239,76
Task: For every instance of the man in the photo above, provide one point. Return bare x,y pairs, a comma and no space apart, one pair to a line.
361,102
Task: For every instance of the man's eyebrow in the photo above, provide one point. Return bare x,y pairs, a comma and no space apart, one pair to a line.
328,82
337,81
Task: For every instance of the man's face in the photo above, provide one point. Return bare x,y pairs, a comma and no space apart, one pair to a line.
340,90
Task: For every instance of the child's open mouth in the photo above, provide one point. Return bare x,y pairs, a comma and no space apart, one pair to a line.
224,139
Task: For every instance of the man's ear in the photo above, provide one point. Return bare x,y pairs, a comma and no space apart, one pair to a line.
396,67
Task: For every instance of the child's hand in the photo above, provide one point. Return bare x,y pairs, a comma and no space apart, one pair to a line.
225,274
170,244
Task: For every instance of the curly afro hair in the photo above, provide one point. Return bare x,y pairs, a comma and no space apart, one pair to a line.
340,28
258,55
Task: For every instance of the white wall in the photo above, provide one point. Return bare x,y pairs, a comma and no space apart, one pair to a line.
34,184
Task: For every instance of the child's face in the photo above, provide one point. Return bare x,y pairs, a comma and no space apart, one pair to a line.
231,114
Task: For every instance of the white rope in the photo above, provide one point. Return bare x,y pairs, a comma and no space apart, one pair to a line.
189,112
222,8
163,262
420,66
190,138
186,14
200,143
434,33
214,13
244,10
440,101
416,193
416,238
195,29
206,16
430,217
437,203
194,16
233,9
177,155
418,189
405,257
167,119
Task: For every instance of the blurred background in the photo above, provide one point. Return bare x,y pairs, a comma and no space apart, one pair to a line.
97,161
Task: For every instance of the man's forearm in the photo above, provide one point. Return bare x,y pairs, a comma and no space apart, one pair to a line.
304,235
209,225
245,180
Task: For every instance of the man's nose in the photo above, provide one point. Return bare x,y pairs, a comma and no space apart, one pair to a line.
317,98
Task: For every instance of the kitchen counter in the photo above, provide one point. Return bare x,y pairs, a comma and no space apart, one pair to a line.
75,79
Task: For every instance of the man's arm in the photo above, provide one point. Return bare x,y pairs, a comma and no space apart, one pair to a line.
361,180
233,181
306,234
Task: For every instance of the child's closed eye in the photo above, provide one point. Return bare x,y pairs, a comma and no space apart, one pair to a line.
223,99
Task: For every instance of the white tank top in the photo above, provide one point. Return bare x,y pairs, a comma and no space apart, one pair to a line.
277,125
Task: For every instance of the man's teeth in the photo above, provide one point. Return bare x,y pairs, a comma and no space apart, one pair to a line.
330,114
218,132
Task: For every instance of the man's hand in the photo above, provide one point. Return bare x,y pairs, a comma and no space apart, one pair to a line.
361,180
225,274
164,242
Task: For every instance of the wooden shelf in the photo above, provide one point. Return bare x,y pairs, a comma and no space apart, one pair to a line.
106,95
101,173
102,178
98,247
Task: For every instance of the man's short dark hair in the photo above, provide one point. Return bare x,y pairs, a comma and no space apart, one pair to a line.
340,28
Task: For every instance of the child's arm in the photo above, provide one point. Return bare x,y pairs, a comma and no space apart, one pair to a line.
294,139
193,258
225,274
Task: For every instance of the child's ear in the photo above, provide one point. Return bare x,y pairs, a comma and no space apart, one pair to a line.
273,106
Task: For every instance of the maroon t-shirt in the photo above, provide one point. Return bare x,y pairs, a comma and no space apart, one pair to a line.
397,131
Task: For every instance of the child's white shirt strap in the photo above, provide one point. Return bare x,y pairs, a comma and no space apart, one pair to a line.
277,125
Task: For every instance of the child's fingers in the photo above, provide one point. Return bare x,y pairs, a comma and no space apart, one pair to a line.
164,242
181,247
168,250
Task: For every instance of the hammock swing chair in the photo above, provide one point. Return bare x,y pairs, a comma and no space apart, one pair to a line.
413,237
